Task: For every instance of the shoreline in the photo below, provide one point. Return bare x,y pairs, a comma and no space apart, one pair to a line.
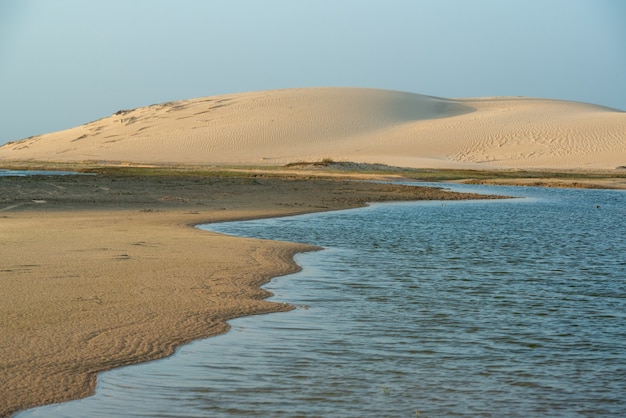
343,170
109,270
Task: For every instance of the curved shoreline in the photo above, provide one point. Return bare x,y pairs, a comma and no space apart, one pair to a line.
51,354
106,271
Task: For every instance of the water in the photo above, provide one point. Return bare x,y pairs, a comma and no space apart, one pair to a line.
485,308
24,173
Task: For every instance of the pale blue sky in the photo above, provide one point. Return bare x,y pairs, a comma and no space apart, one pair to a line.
67,62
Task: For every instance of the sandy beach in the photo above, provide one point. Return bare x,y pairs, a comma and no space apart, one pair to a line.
100,271
103,271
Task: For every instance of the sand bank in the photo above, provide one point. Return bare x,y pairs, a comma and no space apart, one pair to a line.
103,271
360,125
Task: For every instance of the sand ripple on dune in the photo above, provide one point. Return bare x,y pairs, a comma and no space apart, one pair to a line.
543,133
363,125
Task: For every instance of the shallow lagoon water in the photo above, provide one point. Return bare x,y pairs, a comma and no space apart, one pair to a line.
25,173
482,308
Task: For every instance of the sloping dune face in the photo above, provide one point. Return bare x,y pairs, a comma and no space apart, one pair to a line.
363,125
523,132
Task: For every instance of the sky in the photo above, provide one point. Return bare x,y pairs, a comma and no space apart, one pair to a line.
67,62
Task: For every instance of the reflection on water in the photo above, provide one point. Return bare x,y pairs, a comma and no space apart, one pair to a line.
490,308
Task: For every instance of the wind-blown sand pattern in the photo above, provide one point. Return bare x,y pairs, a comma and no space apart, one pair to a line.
103,271
360,125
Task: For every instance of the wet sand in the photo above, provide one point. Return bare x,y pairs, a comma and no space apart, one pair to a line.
103,271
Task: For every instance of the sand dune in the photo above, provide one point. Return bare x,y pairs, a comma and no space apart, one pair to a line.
361,125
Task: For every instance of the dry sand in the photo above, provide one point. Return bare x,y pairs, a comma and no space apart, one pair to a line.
99,272
360,125
103,271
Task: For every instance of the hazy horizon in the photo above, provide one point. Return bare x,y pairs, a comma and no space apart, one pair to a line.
68,62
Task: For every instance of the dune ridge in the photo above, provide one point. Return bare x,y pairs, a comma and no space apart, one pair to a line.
354,124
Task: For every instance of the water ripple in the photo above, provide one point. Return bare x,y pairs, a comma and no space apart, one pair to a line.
509,308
